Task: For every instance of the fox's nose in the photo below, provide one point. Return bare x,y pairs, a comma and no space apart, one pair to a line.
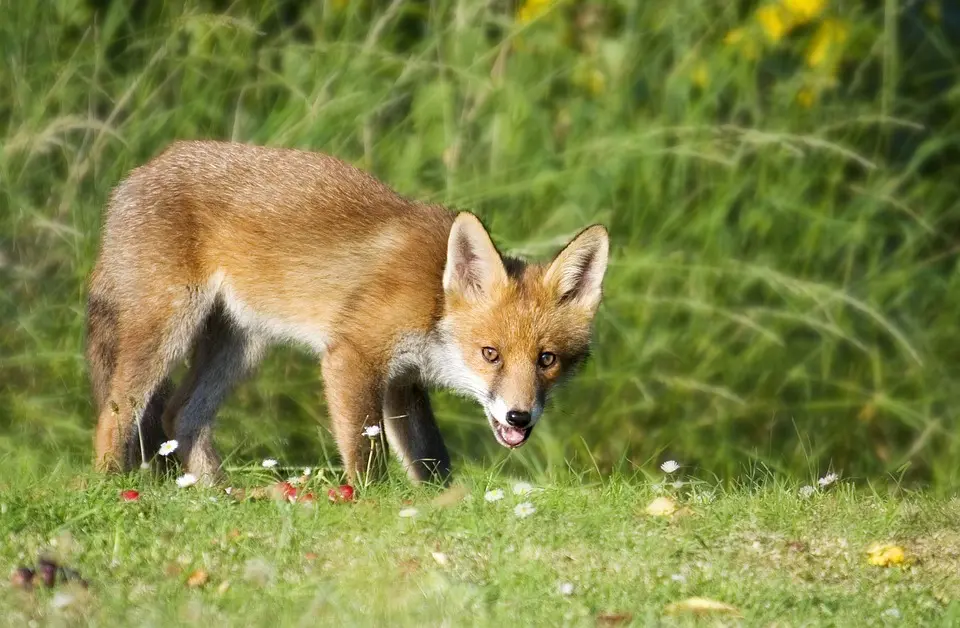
516,418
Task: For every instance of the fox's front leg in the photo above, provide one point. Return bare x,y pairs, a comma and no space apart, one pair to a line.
354,392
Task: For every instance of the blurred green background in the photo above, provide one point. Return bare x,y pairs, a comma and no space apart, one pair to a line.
780,179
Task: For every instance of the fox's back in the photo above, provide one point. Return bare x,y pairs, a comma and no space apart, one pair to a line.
289,233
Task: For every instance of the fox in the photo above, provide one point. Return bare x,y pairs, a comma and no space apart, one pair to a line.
214,251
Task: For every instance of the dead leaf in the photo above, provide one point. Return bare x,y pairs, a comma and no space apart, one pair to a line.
198,578
701,606
451,496
172,569
613,619
885,554
661,507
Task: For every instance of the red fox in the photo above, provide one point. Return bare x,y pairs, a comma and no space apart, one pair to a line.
220,249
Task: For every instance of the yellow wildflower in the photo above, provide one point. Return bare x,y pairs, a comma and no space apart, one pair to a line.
806,97
532,9
804,11
886,554
737,38
591,79
734,37
700,75
829,36
775,21
662,507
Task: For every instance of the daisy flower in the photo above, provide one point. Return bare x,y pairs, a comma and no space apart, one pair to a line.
522,488
566,588
406,513
670,466
307,470
371,431
524,509
269,463
807,491
168,447
187,479
493,496
827,480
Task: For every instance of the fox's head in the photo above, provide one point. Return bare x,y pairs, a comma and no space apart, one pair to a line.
516,330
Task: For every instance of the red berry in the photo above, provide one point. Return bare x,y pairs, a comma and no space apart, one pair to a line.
287,491
343,493
130,495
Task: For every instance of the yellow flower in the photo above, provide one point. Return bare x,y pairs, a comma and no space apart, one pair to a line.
662,507
700,76
806,97
737,38
829,37
804,11
775,21
590,79
532,9
734,37
885,554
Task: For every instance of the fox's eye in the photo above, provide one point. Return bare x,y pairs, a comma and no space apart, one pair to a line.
546,359
491,355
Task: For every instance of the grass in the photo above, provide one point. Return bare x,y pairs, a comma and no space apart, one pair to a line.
774,555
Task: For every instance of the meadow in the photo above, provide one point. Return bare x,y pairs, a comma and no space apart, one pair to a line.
779,181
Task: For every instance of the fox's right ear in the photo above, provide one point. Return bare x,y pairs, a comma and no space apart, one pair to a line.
474,267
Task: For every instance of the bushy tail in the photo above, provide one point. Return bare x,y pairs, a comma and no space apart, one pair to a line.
101,345
101,352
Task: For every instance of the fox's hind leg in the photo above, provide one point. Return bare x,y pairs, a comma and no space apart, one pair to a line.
413,433
149,340
223,355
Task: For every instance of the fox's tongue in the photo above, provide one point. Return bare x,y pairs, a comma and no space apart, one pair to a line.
512,435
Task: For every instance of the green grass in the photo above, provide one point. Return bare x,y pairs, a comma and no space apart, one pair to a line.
774,555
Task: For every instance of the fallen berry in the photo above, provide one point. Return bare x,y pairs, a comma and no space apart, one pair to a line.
48,572
343,493
22,577
130,495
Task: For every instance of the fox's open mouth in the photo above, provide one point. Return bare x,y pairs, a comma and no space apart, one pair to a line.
510,437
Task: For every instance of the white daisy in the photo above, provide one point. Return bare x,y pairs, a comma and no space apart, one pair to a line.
269,463
670,466
566,588
307,470
524,509
168,447
522,488
406,513
187,479
493,496
827,480
371,431
807,491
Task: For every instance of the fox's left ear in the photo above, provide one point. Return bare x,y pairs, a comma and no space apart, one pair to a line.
577,272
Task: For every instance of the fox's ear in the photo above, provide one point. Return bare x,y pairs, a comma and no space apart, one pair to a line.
474,266
576,274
